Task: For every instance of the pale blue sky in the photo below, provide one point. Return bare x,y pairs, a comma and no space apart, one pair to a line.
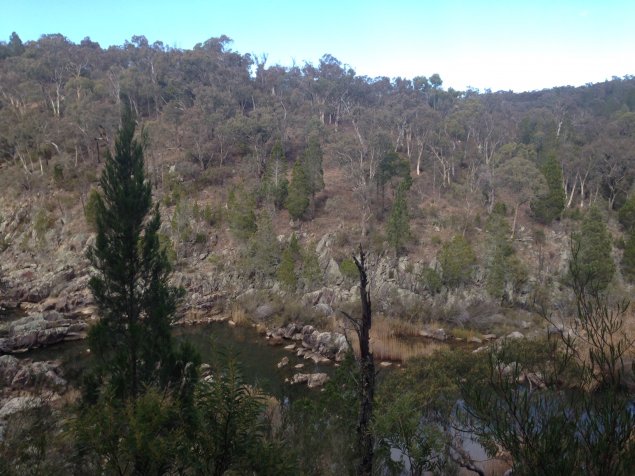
485,44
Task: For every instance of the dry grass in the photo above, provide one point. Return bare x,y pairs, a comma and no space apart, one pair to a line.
396,340
239,316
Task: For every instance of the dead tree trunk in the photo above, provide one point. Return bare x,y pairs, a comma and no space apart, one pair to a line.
365,440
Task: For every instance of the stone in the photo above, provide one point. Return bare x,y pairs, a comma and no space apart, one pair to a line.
475,340
515,335
283,362
290,347
311,380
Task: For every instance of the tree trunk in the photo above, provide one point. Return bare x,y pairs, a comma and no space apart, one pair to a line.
365,439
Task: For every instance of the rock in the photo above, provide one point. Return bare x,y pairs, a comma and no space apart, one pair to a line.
264,311
489,337
333,274
323,309
439,334
515,335
312,380
298,366
19,404
283,362
385,364
475,340
9,366
290,347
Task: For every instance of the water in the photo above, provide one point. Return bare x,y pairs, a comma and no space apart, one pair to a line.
258,360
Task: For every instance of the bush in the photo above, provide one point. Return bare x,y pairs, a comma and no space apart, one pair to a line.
349,269
457,261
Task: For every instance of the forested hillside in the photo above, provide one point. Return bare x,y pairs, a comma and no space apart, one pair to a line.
468,189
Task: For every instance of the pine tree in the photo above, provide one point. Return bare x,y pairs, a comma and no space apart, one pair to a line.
299,191
132,341
241,216
398,228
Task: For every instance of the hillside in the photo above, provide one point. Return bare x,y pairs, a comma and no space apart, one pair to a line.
224,130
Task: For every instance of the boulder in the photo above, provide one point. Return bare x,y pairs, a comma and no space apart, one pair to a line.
311,380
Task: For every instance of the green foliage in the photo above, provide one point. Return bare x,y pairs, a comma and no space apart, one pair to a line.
548,207
349,269
457,261
263,250
231,431
240,215
398,228
58,175
593,245
135,437
628,258
299,192
324,426
311,272
589,427
626,214
90,210
286,270
311,160
131,342
42,223
274,186
431,280
504,270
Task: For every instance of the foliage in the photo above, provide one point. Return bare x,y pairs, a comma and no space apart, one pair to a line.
311,272
548,207
505,272
240,215
593,246
398,228
431,280
626,214
286,270
138,436
131,342
457,261
263,250
559,405
90,209
348,269
299,191
311,160
231,432
628,258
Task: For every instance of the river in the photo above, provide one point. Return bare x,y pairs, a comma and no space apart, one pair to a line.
258,360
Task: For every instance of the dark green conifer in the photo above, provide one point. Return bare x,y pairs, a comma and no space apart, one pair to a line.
398,229
132,341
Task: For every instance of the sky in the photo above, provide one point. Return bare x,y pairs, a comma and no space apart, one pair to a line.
485,44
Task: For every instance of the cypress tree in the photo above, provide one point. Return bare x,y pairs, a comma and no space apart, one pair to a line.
132,340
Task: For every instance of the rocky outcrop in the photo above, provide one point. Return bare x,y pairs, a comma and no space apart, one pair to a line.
328,345
40,330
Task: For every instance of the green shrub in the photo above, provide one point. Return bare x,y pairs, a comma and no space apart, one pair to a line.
349,269
457,260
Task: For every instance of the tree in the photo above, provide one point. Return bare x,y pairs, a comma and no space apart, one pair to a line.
457,261
366,363
628,258
299,191
548,207
522,179
398,228
311,161
593,245
132,341
241,216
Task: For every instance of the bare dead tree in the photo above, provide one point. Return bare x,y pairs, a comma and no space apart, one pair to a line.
366,391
